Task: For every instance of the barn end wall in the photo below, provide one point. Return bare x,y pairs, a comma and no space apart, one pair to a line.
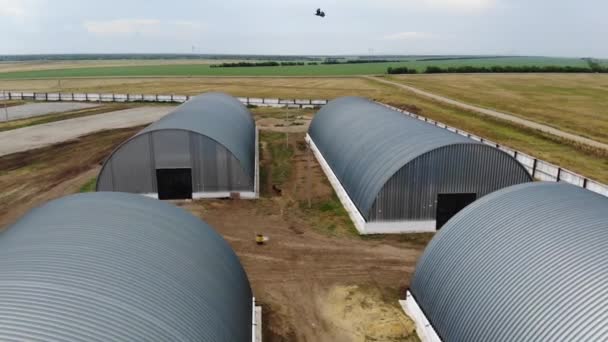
215,171
411,193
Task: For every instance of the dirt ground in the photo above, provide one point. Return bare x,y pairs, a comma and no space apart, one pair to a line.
31,178
316,279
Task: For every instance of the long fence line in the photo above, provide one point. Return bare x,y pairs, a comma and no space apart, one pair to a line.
107,97
539,169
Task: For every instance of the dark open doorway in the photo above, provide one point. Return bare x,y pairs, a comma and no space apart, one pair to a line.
450,204
174,183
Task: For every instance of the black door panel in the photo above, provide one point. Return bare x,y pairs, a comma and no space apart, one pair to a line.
174,183
450,204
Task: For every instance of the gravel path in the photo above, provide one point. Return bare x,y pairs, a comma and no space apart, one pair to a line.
28,138
36,109
500,115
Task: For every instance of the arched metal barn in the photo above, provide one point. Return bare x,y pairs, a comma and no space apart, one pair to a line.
207,147
526,263
119,267
396,174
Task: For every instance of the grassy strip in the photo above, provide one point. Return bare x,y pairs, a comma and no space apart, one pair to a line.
89,186
329,217
38,120
281,155
590,162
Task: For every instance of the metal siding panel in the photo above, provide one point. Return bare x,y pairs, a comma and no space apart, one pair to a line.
104,180
120,267
129,168
526,263
171,149
209,164
197,168
222,168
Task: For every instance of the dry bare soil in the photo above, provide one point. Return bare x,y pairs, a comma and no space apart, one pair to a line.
315,278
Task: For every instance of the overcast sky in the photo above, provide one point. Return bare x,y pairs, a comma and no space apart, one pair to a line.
515,27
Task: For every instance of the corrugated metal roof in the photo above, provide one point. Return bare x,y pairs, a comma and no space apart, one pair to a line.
366,143
526,263
119,267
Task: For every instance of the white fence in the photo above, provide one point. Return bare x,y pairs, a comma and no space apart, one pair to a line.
101,97
539,169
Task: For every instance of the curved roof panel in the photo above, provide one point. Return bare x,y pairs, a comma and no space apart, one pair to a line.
525,263
220,117
119,267
365,143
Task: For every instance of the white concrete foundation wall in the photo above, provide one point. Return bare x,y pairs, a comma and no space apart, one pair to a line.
218,194
256,322
375,227
398,227
225,194
348,204
425,330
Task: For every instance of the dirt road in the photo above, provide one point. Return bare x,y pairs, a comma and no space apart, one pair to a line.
28,138
503,116
29,110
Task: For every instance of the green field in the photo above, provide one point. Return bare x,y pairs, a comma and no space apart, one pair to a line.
185,70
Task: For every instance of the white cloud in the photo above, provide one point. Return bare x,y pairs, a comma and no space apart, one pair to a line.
123,26
409,36
189,25
147,27
444,5
12,8
466,5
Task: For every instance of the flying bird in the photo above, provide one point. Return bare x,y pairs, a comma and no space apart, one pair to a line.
320,13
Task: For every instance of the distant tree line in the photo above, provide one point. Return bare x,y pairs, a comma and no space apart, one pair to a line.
500,69
595,66
258,64
401,70
357,61
244,64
